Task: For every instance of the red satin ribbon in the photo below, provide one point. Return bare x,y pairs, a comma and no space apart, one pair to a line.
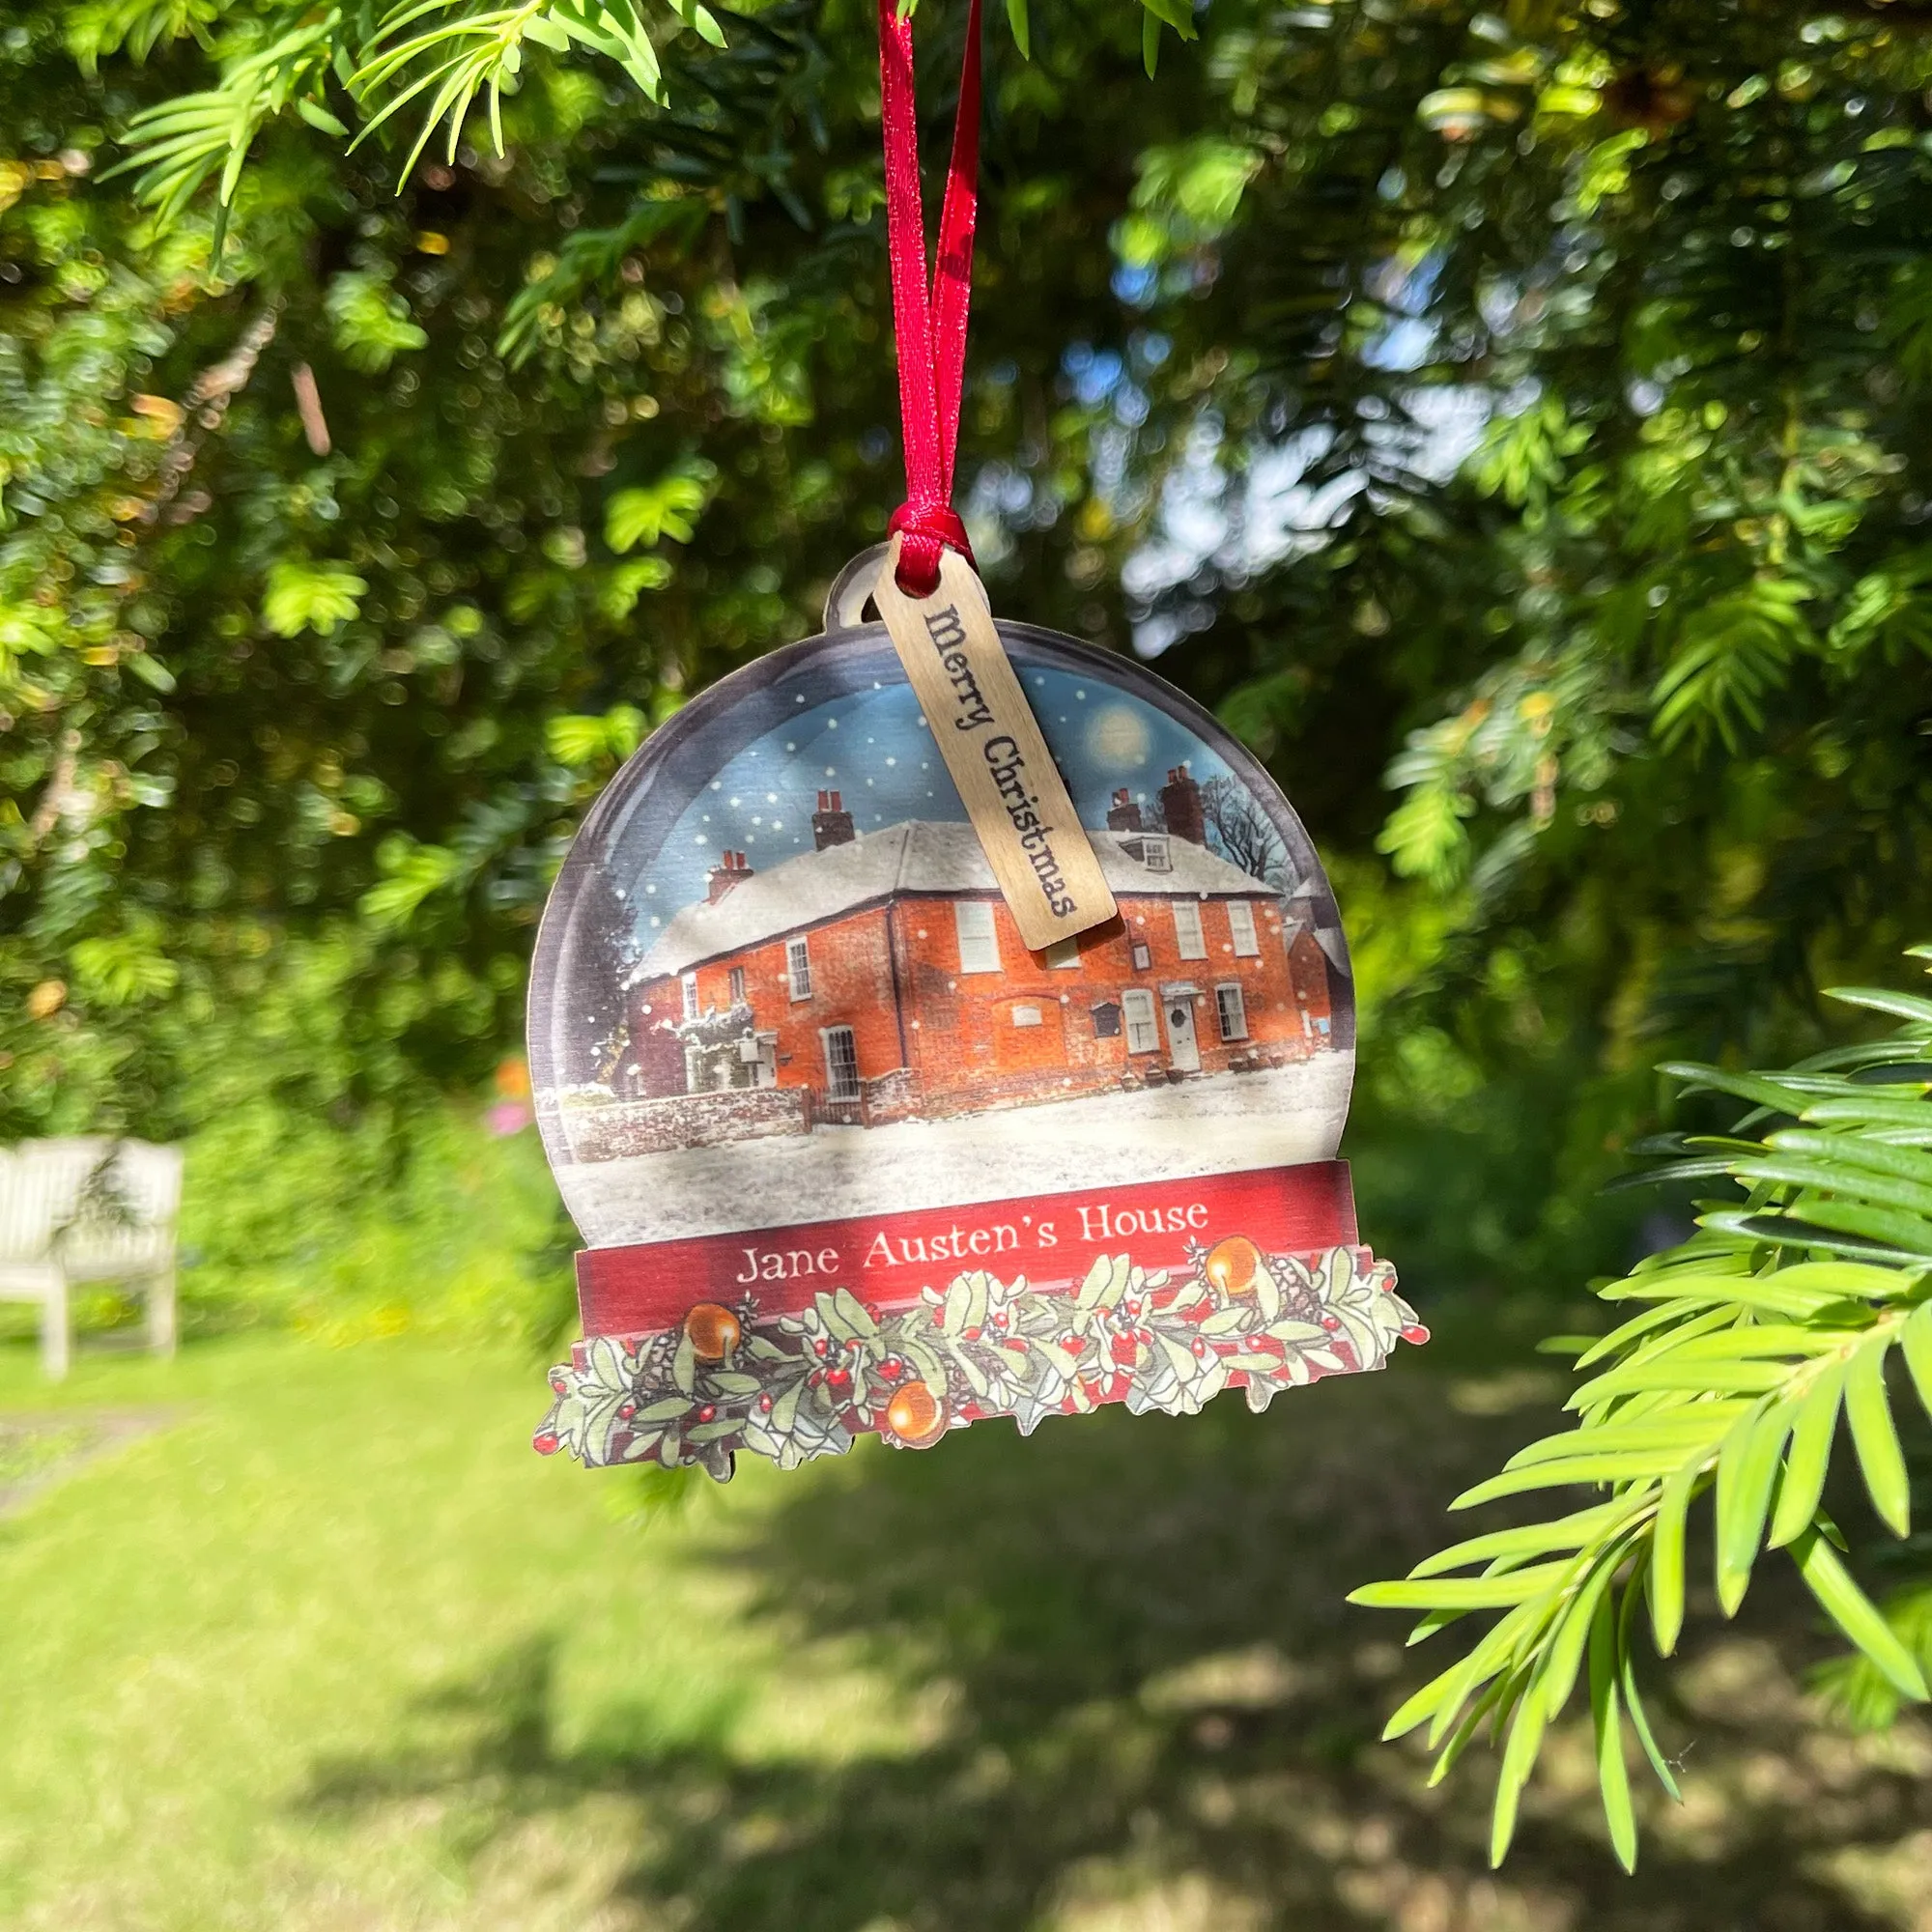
931,330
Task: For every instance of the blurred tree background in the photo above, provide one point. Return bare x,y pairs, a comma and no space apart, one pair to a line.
1522,409
1518,409
1512,422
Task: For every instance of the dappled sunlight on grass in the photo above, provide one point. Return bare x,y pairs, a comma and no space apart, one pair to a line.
333,1649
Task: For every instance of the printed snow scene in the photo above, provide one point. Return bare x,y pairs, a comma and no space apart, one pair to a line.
777,982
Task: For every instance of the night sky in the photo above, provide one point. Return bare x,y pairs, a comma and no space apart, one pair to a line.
875,748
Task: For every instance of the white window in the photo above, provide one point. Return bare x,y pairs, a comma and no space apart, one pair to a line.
1143,1029
737,986
979,940
841,1064
1026,1017
1063,953
1187,929
1157,859
1232,1011
1241,923
798,963
691,996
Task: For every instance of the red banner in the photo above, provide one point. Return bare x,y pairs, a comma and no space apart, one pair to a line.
888,1259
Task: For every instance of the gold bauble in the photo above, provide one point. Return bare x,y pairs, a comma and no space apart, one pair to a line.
916,1416
714,1332
1234,1264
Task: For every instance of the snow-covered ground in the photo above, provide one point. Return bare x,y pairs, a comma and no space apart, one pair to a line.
1225,1125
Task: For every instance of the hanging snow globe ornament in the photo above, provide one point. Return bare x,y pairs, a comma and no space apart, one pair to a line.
941,1018
850,1155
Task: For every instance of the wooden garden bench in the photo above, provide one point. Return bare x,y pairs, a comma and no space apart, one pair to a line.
88,1211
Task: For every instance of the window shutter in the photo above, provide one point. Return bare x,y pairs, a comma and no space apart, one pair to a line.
979,937
1187,932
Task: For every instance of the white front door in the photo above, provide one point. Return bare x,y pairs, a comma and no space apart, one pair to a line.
1182,1055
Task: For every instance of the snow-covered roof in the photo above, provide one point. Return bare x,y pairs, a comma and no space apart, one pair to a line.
915,856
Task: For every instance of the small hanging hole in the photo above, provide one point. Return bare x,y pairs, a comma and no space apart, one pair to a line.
850,602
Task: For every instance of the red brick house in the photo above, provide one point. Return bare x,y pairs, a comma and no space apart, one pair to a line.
885,975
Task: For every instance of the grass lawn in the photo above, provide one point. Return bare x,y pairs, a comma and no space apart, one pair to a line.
329,1647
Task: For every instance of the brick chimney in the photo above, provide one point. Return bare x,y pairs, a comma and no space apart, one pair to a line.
1180,805
731,871
831,823
1123,814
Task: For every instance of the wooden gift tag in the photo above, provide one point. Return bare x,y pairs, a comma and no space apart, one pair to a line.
985,730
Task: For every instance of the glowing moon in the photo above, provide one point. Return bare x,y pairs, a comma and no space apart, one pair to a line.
1118,736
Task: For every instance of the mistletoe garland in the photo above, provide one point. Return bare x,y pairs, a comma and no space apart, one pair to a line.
806,1384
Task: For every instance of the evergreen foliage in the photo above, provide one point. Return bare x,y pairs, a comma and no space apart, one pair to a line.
1749,1342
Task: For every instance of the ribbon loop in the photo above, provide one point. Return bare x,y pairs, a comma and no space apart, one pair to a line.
930,326
927,531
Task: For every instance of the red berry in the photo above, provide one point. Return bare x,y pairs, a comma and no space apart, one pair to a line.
764,1405
1200,1349
841,1379
544,1444
1416,1332
821,1346
1000,1319
972,1334
892,1368
707,1413
1331,1322
560,1383
625,1410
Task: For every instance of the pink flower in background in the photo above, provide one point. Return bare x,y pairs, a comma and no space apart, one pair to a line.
513,1112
